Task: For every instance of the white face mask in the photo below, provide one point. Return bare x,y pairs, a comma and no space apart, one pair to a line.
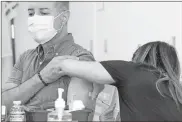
42,28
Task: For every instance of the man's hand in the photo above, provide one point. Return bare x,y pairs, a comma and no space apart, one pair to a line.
53,70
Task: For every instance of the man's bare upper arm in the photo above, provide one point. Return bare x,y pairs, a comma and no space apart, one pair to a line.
81,89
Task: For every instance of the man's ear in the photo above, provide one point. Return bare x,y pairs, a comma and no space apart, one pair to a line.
66,17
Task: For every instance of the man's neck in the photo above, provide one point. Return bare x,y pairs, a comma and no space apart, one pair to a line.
59,35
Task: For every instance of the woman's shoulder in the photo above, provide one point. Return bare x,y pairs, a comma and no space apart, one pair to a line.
149,69
121,64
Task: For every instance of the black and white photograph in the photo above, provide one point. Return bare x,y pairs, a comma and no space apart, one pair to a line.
91,61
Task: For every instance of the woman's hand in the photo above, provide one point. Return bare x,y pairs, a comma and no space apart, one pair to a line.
55,69
66,63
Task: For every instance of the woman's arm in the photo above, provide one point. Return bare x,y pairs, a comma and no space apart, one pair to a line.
88,70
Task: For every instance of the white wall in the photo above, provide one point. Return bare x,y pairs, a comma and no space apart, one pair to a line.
126,24
81,23
156,21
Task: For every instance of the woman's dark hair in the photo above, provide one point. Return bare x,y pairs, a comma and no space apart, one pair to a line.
164,58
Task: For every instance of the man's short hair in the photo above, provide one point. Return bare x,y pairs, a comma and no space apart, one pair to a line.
63,5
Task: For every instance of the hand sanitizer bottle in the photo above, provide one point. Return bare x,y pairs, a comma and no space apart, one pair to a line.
60,104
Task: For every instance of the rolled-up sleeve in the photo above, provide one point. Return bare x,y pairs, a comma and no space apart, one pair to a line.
83,55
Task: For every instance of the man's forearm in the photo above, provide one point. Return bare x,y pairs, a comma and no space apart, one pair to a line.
23,92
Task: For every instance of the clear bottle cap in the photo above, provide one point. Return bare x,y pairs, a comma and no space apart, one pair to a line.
17,102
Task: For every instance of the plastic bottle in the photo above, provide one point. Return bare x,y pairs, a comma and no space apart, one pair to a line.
17,112
60,104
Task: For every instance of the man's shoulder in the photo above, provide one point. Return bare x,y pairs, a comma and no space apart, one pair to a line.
79,48
81,52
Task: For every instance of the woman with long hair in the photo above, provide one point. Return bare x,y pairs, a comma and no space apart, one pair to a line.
148,86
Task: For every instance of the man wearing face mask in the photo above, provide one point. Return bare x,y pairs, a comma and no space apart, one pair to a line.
35,77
